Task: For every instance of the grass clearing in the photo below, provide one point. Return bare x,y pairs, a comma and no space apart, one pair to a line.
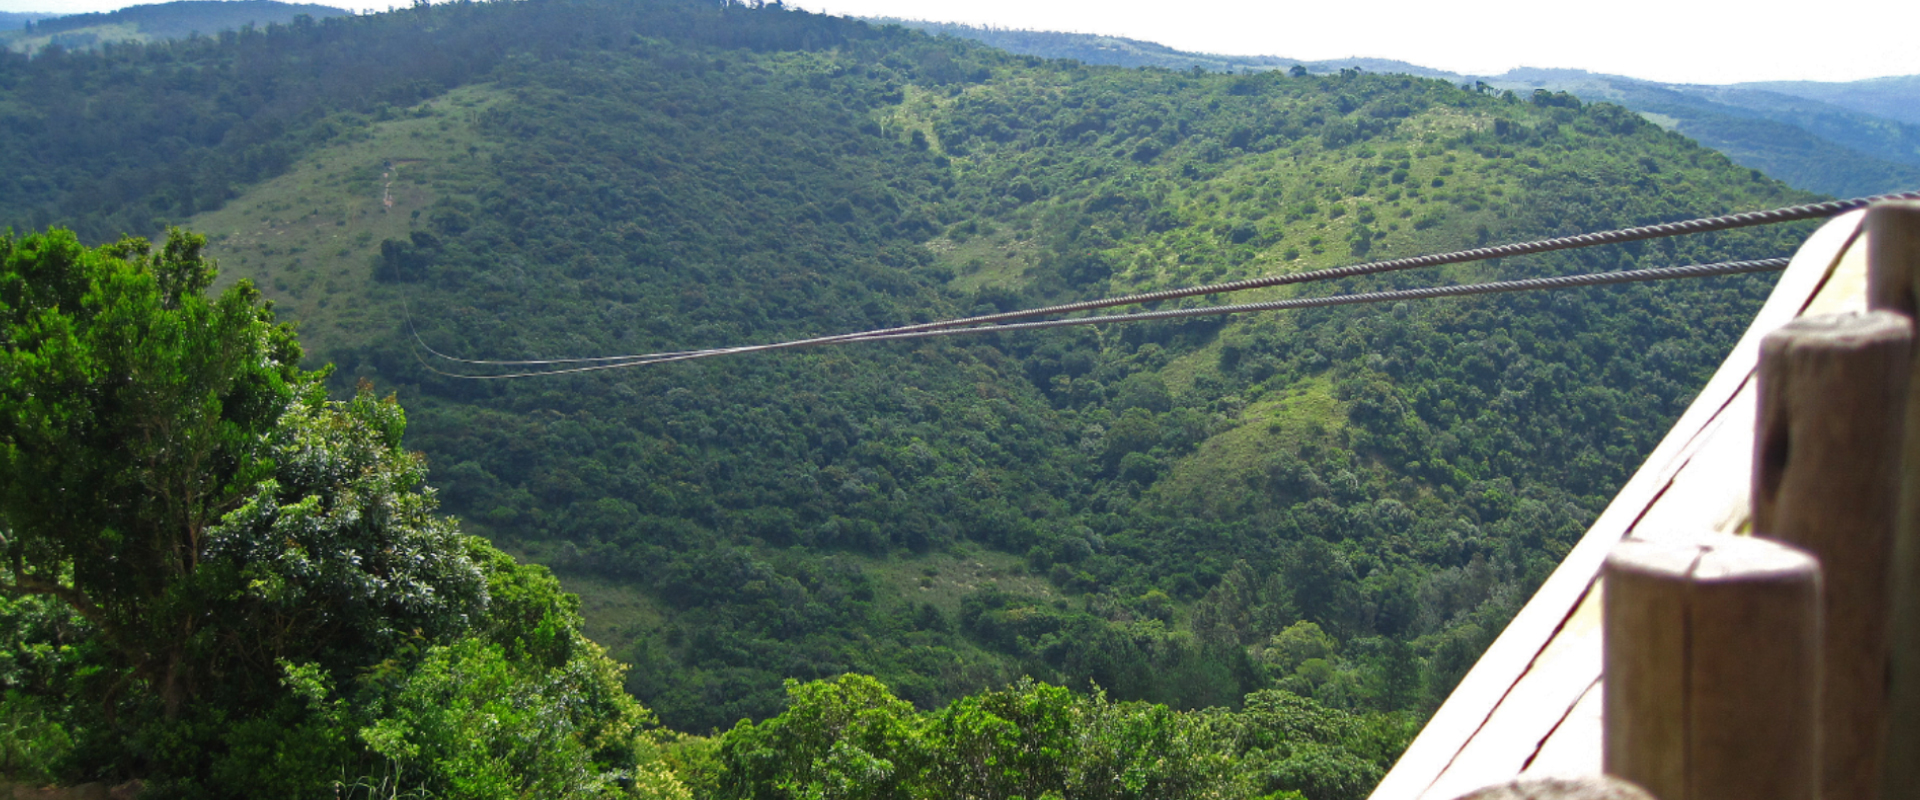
618,614
1215,475
1180,373
996,259
944,578
615,613
309,237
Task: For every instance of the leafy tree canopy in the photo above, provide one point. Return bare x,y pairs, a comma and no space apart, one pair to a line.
267,595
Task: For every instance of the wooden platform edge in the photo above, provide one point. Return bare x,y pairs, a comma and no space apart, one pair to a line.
1510,656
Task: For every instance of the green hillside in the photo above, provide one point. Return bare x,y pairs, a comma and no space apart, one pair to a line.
1097,460
1846,139
1319,515
1804,142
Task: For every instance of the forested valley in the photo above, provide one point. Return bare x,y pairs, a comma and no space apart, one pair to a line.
1228,557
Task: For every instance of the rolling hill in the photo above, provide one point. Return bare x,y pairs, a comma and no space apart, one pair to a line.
1845,139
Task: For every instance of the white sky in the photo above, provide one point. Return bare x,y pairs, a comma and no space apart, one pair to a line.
1681,41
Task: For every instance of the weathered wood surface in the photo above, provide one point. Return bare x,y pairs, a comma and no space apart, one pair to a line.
1826,478
1893,278
1893,250
1529,704
1712,667
1574,746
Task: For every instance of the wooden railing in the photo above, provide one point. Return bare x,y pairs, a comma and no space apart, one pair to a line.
1672,649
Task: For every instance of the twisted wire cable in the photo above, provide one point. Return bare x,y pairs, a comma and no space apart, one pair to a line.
1641,233
1644,232
1461,290
894,334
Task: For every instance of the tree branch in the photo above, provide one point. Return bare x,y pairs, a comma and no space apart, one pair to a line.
74,598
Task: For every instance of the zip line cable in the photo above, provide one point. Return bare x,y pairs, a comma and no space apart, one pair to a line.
422,344
1462,290
894,334
1640,233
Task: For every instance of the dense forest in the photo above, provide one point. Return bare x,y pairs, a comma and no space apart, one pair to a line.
1230,558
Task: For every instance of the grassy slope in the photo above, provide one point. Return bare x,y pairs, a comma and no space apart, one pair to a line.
308,238
1413,216
1274,191
1217,476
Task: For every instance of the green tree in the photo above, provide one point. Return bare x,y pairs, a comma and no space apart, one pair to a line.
1289,743
274,606
851,738
1300,642
168,471
846,738
469,722
134,413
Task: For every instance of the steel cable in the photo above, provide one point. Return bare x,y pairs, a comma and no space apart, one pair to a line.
1496,287
1641,233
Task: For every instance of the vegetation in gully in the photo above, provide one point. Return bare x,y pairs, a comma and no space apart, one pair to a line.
1218,558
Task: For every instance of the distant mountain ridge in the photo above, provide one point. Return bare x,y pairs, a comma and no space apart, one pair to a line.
1812,144
1892,98
1121,51
15,20
30,32
1855,138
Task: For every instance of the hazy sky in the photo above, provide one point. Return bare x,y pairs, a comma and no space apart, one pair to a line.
1688,41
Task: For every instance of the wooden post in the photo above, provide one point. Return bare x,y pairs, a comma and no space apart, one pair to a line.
1712,662
1826,479
1893,253
1893,284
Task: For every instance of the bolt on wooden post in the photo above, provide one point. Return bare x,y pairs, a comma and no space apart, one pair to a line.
1832,395
1893,284
1711,652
